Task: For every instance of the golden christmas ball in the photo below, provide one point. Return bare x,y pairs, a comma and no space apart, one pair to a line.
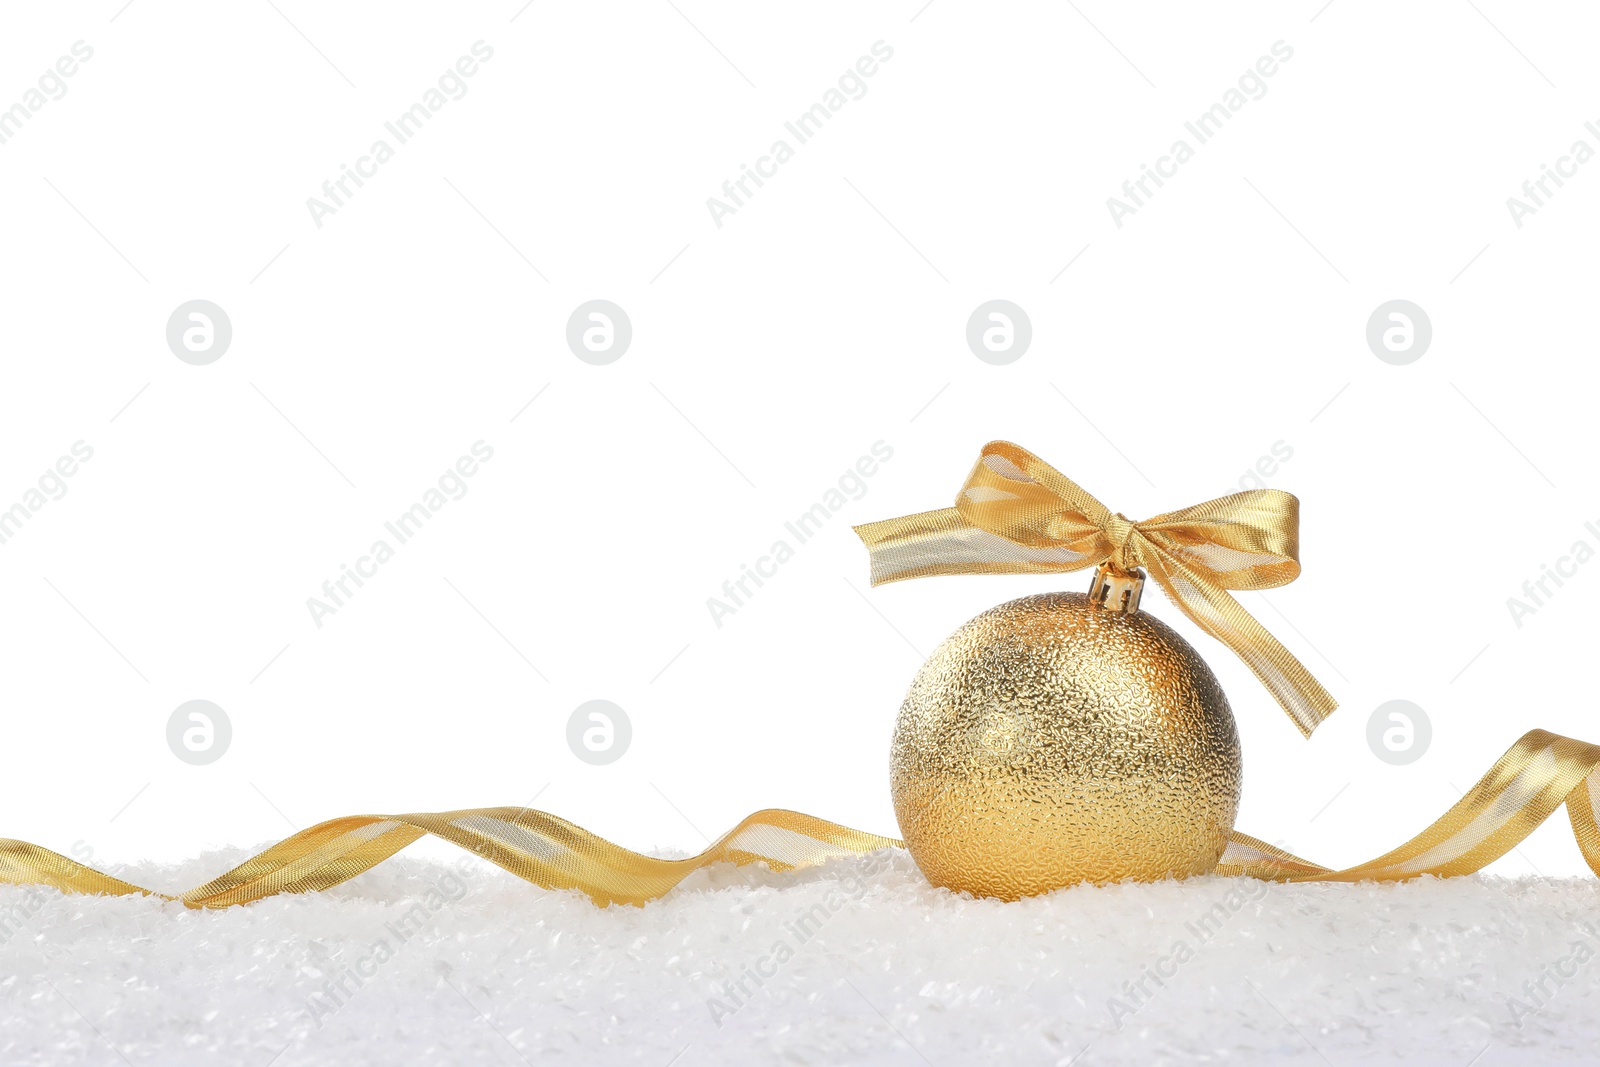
1065,738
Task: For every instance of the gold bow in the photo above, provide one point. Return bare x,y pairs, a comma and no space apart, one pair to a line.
1016,514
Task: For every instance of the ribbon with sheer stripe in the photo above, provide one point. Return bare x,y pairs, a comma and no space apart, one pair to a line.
1016,514
1535,776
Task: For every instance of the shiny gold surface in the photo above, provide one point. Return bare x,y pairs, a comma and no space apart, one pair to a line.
1050,741
1525,786
1016,514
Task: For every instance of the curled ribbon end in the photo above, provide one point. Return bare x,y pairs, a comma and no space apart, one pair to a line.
872,535
1312,712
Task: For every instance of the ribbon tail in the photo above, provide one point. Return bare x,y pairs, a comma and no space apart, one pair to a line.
942,542
535,846
22,863
1252,857
1216,612
1537,774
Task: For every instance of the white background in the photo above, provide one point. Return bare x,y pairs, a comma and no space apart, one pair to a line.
768,354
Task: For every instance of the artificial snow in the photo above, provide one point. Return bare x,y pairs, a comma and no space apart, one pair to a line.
455,962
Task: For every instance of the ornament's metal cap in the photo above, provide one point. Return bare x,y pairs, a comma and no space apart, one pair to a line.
1116,590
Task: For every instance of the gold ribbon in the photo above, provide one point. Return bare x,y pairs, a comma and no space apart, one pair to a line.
533,845
1016,514
1536,775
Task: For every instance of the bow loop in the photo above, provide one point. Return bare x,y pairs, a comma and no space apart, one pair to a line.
1018,515
1248,540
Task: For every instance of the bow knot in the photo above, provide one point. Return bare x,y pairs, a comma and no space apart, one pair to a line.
1120,530
1018,515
